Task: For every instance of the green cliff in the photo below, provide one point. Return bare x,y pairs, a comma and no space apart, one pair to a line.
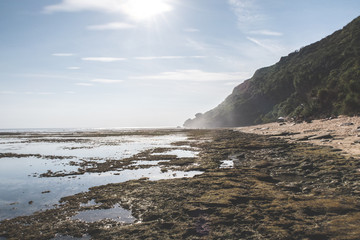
319,80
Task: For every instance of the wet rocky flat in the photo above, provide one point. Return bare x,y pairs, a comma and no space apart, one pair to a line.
252,187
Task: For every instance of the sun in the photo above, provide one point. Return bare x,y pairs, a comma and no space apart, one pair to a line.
146,9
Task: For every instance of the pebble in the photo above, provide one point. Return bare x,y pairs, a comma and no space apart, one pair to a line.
346,124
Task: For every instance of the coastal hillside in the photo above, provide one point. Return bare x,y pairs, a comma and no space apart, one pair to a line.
319,80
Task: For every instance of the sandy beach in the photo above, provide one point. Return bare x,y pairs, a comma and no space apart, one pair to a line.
340,133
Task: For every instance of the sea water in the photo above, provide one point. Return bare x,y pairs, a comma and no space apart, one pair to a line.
23,192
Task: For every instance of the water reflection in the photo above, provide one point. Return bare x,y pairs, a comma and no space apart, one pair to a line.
116,213
22,192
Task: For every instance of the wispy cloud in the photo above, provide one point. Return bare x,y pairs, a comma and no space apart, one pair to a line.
246,11
266,33
46,93
84,84
70,92
136,9
167,57
7,92
104,80
269,45
63,54
39,93
196,76
144,9
196,44
111,26
103,59
73,68
81,5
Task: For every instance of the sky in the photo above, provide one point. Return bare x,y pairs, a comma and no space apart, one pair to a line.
144,63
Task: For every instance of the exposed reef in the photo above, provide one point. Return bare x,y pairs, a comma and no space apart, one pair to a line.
273,190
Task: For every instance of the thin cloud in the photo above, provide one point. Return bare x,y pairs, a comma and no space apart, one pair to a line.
167,57
268,45
136,9
63,54
196,44
70,92
111,26
246,11
80,5
45,93
103,59
103,80
196,75
266,33
84,84
39,93
144,9
73,68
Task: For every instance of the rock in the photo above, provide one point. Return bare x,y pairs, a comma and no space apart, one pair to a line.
292,187
280,120
307,166
323,136
281,134
305,138
346,124
285,134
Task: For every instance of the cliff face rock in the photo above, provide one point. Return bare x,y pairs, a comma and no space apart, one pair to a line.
319,80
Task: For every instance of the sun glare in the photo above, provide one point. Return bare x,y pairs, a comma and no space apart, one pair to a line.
145,9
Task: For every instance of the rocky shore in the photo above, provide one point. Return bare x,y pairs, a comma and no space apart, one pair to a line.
270,188
341,132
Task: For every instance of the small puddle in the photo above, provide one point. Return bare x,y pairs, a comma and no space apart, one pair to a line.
62,237
90,204
116,213
230,163
227,164
147,163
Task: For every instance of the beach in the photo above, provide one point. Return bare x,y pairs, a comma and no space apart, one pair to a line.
341,132
228,184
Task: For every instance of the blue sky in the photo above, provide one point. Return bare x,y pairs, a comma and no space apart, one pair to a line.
144,63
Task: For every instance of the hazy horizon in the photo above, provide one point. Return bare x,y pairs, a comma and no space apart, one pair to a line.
143,63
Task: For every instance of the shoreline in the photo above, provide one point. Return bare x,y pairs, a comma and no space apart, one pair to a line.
275,189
